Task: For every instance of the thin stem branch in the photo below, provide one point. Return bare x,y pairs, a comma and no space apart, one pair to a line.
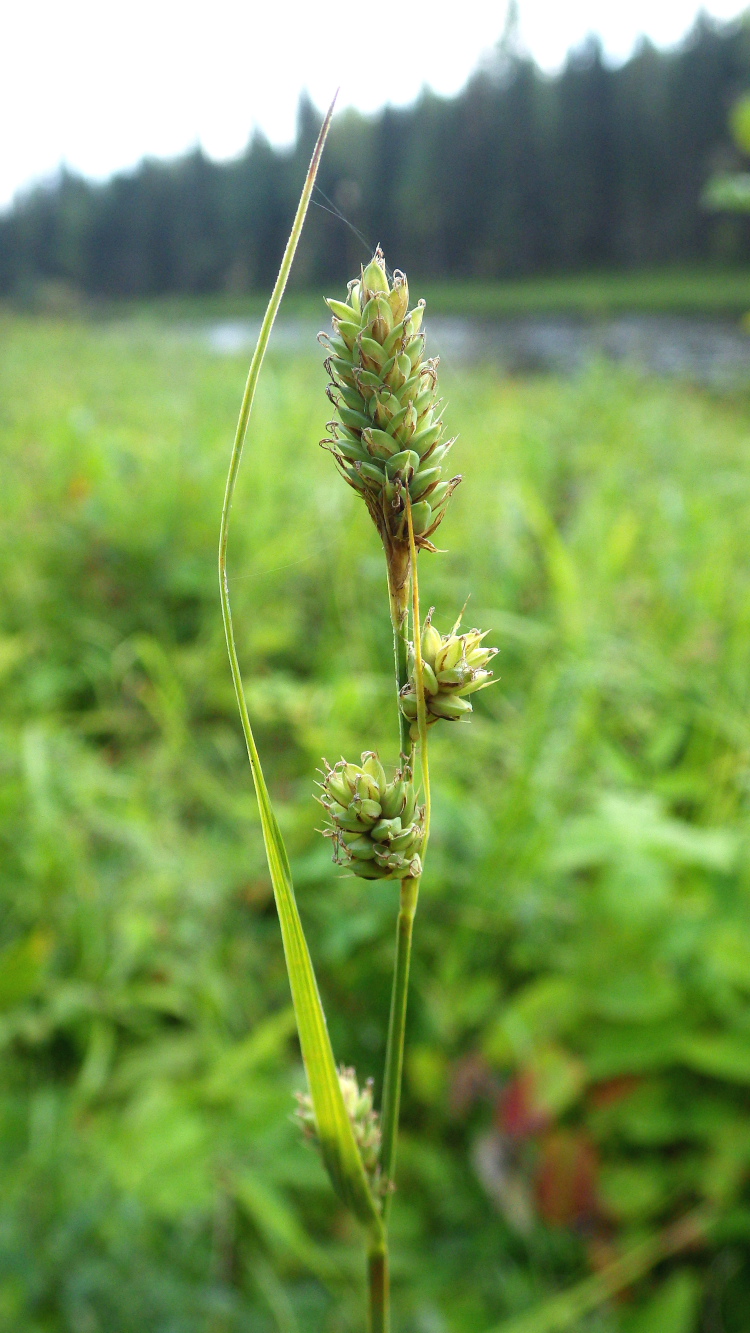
379,1290
398,596
394,1055
419,674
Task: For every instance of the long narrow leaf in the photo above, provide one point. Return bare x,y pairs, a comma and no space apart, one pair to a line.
340,1152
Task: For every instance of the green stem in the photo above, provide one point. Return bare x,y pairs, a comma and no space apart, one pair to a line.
379,1290
398,594
394,1055
419,680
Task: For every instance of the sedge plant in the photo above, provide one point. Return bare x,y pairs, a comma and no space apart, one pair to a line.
387,440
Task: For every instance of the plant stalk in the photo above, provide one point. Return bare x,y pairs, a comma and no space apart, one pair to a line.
419,679
379,1290
398,596
394,1055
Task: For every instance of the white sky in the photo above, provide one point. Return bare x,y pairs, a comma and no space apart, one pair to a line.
99,85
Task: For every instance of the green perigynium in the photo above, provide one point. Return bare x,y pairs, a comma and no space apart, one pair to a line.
375,824
454,666
387,433
364,1120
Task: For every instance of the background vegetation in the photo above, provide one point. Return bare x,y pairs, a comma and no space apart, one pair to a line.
578,1075
579,1059
599,166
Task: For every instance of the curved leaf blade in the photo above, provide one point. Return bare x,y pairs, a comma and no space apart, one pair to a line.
339,1148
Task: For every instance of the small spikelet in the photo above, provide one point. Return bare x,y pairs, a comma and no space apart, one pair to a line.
387,433
454,666
364,1121
375,825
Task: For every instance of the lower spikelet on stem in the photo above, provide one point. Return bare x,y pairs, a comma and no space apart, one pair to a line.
364,1120
375,825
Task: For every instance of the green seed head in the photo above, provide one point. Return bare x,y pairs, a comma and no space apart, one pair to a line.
376,828
454,666
387,427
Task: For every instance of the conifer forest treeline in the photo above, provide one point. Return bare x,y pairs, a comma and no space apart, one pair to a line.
599,166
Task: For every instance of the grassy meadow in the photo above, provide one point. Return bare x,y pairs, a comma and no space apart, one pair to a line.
578,1071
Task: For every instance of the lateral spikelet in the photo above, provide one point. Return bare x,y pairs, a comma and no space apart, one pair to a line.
364,1121
376,826
454,666
386,435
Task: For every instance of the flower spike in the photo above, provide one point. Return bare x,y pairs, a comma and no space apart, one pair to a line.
387,433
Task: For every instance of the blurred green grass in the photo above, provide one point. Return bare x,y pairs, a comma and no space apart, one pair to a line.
579,1060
